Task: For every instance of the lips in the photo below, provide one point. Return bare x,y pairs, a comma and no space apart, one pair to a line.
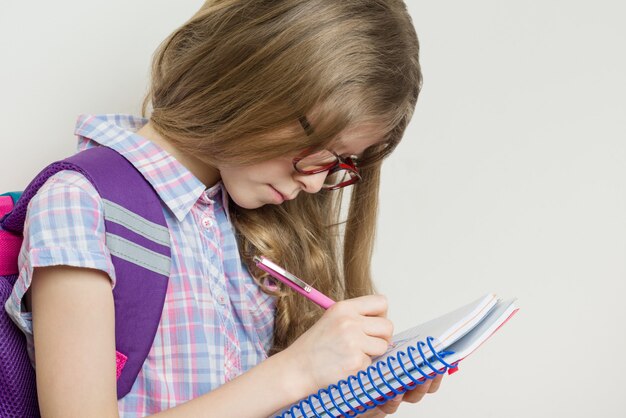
282,195
278,196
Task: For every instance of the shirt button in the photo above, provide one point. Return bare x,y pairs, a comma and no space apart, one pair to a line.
221,299
207,222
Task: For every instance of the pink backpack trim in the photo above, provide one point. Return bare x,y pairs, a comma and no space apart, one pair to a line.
10,244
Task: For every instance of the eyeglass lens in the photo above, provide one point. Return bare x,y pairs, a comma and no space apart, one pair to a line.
337,177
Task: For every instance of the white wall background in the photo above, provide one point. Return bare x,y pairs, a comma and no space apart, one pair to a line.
511,178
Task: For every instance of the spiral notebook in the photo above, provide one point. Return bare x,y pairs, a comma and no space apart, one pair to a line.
415,355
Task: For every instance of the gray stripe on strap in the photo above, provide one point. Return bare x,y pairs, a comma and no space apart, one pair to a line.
148,229
136,254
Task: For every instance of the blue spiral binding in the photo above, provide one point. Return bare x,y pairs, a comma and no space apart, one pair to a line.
404,359
391,368
354,412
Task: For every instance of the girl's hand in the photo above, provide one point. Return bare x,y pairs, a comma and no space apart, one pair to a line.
342,342
412,396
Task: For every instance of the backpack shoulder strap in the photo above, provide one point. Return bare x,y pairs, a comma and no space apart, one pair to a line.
138,240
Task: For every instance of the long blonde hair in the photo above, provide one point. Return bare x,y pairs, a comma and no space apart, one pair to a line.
230,82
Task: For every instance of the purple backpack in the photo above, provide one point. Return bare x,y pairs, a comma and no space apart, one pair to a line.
139,243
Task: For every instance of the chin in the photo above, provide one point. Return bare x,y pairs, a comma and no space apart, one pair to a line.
247,203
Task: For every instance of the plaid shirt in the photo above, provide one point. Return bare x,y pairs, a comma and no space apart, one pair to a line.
216,323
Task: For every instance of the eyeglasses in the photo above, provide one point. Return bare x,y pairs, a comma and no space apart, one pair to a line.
342,171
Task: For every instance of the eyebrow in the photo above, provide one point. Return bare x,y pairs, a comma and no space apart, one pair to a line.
308,129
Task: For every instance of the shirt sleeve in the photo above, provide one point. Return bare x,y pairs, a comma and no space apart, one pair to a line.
64,226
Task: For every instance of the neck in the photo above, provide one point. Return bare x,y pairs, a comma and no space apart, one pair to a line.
207,174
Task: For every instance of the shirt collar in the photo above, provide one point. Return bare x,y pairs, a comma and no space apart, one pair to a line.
174,183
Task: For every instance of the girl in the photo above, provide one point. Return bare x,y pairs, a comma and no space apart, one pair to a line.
262,112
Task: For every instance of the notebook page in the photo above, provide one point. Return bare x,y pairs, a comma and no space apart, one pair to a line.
466,345
445,329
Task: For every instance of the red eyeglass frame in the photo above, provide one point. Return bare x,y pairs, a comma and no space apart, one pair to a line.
341,164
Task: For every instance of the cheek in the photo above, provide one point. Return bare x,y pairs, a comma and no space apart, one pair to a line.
242,191
268,172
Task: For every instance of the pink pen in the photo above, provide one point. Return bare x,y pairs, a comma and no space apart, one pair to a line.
293,282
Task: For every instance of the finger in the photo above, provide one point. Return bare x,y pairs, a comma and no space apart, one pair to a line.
370,305
434,386
374,346
392,405
378,327
374,413
416,395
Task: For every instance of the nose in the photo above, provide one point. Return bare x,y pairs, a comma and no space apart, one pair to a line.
311,183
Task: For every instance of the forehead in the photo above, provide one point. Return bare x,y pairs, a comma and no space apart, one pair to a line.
355,140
